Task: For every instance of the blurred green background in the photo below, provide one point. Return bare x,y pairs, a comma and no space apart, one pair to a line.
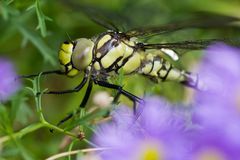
32,31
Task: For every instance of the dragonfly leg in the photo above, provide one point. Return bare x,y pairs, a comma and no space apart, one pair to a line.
116,98
43,73
87,94
76,89
82,105
69,116
132,97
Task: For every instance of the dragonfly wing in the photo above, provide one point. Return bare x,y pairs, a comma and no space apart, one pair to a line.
100,19
220,22
97,15
190,45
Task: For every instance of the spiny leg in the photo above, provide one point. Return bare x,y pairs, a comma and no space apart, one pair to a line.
87,94
76,89
119,88
132,97
82,105
43,73
116,98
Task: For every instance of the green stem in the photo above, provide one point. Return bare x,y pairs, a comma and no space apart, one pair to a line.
22,132
42,123
50,126
38,101
33,128
82,114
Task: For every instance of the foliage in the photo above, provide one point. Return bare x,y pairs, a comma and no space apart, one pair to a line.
31,32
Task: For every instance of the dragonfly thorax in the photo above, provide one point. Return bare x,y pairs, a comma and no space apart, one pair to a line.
113,52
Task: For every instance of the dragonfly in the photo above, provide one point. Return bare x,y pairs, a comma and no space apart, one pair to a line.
113,52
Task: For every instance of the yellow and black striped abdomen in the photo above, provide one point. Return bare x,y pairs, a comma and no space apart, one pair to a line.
155,67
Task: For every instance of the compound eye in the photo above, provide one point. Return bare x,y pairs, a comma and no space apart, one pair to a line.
66,42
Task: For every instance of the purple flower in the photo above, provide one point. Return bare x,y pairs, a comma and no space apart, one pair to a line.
220,73
8,80
214,144
217,109
158,133
163,132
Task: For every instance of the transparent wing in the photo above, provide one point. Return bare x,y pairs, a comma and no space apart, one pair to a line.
216,22
189,45
99,19
97,15
176,49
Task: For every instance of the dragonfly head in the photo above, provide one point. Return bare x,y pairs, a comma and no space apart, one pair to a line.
75,56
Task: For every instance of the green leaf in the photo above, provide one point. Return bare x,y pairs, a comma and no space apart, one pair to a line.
6,10
5,123
30,7
24,113
24,42
16,102
23,151
46,52
71,148
20,110
41,19
87,118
